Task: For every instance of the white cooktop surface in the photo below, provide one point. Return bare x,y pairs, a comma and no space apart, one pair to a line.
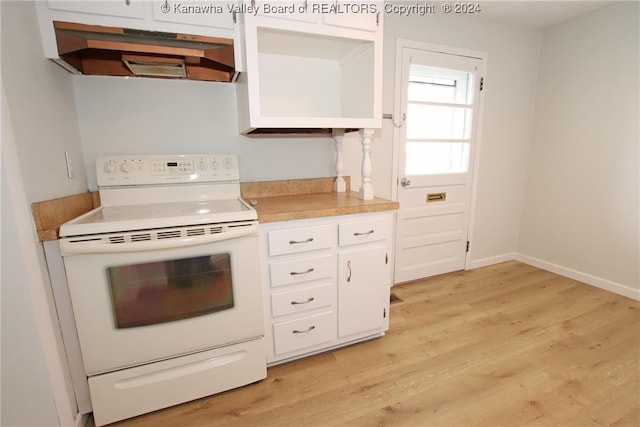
111,219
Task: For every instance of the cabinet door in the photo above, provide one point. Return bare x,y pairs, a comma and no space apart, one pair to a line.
298,10
356,15
122,8
363,285
195,12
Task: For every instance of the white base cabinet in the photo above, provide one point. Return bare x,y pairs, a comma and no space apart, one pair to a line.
326,282
362,290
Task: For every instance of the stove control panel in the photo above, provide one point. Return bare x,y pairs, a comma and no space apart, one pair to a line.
166,169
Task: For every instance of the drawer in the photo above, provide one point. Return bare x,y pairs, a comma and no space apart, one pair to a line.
368,230
304,299
301,270
301,239
305,332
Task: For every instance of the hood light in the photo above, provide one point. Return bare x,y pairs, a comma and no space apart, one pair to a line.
156,67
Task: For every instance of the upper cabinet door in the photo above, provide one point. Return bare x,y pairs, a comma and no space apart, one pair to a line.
121,8
196,12
298,10
361,16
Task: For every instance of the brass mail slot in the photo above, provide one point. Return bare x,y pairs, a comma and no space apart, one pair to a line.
436,197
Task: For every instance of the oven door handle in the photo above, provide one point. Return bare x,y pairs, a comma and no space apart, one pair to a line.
85,245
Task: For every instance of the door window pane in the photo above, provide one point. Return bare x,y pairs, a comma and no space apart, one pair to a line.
438,122
428,84
157,292
424,158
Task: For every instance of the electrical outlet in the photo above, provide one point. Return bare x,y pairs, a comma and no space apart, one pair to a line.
71,173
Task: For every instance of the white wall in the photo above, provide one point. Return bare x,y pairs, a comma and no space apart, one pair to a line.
510,84
151,116
38,126
581,206
27,395
43,112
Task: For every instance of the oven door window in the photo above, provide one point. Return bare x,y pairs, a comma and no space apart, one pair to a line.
158,292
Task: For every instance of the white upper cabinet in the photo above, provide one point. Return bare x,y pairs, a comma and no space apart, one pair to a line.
364,16
298,10
196,12
193,17
311,65
123,9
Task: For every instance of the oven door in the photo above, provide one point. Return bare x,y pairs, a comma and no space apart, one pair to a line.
137,306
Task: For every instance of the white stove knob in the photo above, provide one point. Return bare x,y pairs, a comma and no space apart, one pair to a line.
203,165
214,163
125,167
109,167
227,163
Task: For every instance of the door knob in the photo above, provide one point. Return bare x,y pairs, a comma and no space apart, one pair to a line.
405,182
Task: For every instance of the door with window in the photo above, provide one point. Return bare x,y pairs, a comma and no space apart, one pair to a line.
439,101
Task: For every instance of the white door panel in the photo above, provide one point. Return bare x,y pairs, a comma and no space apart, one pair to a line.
430,260
440,94
432,230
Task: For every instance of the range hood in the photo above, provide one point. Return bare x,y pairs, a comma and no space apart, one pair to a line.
110,51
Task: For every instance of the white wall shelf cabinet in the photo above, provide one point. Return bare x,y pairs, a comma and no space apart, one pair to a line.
309,67
326,282
212,19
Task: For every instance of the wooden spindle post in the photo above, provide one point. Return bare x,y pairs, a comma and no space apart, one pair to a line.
366,189
339,186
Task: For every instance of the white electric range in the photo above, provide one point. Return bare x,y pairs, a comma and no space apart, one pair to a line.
164,280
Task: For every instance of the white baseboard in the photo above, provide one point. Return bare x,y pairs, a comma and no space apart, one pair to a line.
490,261
589,279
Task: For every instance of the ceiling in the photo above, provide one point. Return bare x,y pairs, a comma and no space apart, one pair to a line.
537,14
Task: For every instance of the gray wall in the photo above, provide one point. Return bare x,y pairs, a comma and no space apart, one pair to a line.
148,116
583,184
38,125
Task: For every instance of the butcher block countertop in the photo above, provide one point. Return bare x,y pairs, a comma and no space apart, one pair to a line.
276,201
307,198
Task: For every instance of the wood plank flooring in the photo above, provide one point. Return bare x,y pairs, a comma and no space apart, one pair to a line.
504,345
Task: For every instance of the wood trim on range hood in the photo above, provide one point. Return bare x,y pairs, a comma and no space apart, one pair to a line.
98,50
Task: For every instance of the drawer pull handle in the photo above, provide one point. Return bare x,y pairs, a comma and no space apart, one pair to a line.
297,242
309,329
349,267
296,273
303,302
363,234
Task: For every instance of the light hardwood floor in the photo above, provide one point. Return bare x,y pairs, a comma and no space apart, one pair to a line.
504,345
